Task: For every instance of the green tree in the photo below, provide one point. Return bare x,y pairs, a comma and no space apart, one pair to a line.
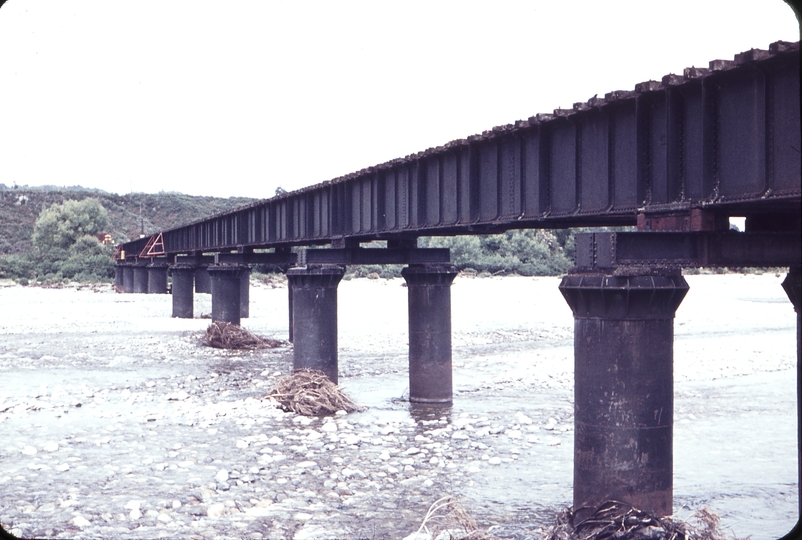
61,225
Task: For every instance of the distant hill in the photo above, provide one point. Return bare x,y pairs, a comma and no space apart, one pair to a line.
20,207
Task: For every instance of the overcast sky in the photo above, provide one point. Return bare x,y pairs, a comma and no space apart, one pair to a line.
240,97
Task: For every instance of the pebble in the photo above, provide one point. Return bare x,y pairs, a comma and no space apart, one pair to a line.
221,476
216,510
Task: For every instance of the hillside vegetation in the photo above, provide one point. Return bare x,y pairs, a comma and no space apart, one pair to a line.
20,208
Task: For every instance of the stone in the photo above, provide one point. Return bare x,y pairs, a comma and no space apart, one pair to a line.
135,514
51,447
133,505
302,516
80,521
329,427
216,510
495,460
460,436
221,476
29,450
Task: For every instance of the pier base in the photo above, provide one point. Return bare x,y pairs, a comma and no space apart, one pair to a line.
244,293
182,291
128,279
203,282
119,278
157,278
314,319
226,285
429,296
793,288
624,388
140,279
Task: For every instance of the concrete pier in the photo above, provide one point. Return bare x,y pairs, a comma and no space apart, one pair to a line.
244,293
314,322
140,279
226,286
289,297
793,288
624,388
119,278
203,282
183,296
128,278
429,297
157,278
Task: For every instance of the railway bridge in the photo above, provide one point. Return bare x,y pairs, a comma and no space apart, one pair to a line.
674,159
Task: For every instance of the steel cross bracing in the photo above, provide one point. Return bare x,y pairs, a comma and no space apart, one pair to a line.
682,154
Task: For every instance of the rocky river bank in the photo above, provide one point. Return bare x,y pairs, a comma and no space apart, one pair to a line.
117,423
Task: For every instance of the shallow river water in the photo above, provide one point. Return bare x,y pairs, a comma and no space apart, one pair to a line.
116,423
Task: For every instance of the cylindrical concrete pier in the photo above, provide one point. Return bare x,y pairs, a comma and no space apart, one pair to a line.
429,296
289,295
119,278
623,388
244,292
203,282
182,291
314,319
226,286
793,288
128,278
157,278
140,279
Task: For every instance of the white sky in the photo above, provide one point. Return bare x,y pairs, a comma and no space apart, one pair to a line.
239,97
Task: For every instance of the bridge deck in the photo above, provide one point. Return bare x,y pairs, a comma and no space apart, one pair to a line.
725,139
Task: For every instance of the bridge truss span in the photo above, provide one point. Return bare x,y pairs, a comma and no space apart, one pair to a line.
722,140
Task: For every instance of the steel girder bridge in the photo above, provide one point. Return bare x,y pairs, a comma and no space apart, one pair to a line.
674,158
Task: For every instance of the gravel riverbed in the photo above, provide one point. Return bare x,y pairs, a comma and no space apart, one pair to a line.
117,423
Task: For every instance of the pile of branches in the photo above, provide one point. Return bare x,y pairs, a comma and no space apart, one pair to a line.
310,393
224,335
447,519
616,520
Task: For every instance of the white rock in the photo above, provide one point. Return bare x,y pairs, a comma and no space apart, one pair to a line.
329,427
80,521
340,413
29,450
314,436
63,467
407,461
351,439
133,504
495,460
274,440
176,504
392,470
435,460
306,464
522,418
302,516
532,439
221,476
242,444
135,514
411,451
513,433
418,535
216,510
51,447
384,456
460,436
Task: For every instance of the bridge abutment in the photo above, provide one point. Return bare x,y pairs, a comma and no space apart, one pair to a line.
429,297
140,279
157,278
314,317
624,388
793,288
182,290
226,287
